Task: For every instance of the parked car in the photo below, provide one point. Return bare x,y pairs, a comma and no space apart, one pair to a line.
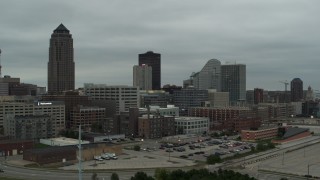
184,156
98,158
1,171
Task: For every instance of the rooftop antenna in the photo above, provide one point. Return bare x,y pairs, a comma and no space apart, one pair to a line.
0,64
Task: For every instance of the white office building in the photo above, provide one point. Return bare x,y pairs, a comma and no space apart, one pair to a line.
55,110
124,96
191,125
142,77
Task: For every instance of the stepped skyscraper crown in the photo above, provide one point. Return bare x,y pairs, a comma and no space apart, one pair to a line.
61,68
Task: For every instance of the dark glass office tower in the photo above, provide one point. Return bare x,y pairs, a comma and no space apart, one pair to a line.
296,90
154,60
233,80
61,68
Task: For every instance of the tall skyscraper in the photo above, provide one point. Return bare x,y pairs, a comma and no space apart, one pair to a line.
61,68
296,90
209,77
142,77
233,80
154,60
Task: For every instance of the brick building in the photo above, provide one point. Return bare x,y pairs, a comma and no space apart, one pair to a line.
253,135
154,126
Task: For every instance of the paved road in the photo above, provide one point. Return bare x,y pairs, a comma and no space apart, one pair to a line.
38,174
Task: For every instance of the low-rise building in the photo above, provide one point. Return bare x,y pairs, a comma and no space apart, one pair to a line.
253,135
31,127
62,141
155,126
86,117
191,125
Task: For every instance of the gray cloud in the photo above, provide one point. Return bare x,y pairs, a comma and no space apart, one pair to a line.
277,40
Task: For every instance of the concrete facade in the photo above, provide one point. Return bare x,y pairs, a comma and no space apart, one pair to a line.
142,77
191,125
125,96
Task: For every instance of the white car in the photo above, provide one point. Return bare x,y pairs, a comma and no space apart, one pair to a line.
98,158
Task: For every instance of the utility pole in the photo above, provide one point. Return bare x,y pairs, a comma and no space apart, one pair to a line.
80,156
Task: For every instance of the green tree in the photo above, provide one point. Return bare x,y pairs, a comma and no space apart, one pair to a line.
141,176
136,148
114,176
212,159
161,174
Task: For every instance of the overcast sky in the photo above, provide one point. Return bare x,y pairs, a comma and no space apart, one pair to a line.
277,40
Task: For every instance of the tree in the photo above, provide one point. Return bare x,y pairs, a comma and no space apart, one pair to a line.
141,176
212,159
161,174
114,176
136,148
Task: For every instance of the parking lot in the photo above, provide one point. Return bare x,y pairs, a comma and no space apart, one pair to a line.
155,153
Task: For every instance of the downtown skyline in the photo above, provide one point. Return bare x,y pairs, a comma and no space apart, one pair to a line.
276,40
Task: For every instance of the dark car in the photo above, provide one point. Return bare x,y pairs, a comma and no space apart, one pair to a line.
184,156
169,150
1,170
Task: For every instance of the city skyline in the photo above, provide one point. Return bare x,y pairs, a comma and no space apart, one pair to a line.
278,39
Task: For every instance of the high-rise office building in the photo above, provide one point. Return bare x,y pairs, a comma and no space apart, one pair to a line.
233,80
208,78
296,90
154,60
61,68
142,77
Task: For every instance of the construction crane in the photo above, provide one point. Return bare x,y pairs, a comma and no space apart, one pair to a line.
286,83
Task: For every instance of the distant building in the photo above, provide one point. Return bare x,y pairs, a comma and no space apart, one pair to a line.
192,125
153,126
258,95
86,117
253,135
218,99
233,80
189,97
154,60
296,90
6,83
29,127
71,99
61,141
208,78
309,94
54,109
310,108
154,97
23,90
125,97
61,68
219,116
142,77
